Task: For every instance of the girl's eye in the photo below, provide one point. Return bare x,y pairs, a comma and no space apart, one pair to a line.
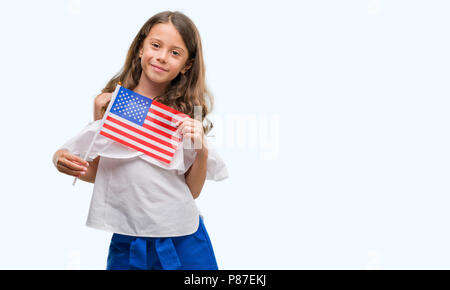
176,52
155,45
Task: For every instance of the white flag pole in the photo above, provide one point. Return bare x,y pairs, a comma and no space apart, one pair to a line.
113,97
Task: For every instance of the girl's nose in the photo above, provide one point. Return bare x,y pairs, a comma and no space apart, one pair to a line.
162,57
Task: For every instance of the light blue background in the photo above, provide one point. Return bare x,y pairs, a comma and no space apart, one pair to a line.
352,173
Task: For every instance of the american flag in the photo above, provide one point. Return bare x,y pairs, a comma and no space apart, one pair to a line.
143,124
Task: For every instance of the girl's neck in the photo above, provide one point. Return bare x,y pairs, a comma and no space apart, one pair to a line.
150,89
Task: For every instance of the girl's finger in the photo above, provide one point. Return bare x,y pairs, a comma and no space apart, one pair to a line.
191,122
188,129
189,135
73,157
62,168
180,128
182,121
73,165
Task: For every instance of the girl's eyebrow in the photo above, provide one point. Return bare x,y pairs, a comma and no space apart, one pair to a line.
163,41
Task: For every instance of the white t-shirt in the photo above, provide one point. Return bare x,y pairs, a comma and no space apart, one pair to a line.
137,195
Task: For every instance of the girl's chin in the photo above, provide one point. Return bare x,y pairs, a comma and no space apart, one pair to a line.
155,78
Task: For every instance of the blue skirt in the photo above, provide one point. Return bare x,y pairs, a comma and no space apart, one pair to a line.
191,252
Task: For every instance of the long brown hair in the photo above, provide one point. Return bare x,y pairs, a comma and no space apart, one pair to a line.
185,91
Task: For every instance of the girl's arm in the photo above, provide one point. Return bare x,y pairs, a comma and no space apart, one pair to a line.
101,103
196,175
73,165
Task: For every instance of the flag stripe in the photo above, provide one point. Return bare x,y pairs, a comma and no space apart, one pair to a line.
164,112
172,134
110,120
169,109
136,144
162,119
173,139
122,130
159,130
162,124
171,119
134,138
134,147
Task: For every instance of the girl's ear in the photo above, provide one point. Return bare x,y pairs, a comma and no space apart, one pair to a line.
187,66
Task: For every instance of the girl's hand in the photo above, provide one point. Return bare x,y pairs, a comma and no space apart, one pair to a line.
69,163
101,103
193,129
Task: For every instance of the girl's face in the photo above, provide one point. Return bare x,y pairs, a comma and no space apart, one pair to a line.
163,54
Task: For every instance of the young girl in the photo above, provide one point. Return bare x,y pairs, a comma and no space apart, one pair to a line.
148,205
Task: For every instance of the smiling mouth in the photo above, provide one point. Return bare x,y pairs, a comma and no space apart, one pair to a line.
158,68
